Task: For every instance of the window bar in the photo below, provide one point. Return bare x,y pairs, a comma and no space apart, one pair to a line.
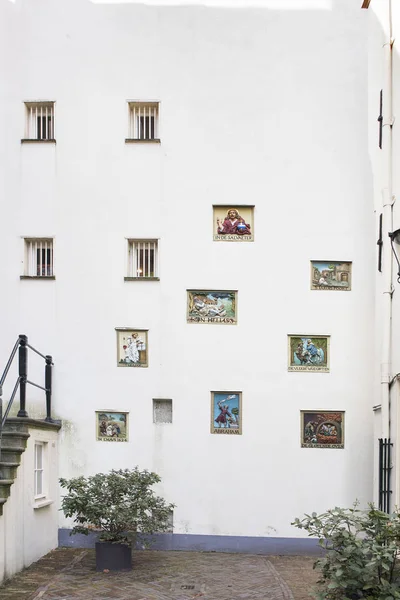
156,259
139,126
134,122
139,260
41,259
148,259
135,259
46,129
27,113
35,130
29,258
145,127
45,259
34,258
41,122
53,135
51,259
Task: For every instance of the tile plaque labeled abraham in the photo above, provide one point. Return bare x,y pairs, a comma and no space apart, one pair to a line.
233,223
309,353
226,413
322,429
331,275
211,306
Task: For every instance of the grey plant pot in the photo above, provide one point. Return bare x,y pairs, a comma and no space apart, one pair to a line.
113,557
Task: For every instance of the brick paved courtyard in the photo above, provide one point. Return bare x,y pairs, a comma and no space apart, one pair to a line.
69,574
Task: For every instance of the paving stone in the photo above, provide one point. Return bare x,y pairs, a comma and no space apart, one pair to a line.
69,574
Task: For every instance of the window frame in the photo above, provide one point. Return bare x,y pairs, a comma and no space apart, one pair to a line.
31,130
135,108
44,492
131,274
30,265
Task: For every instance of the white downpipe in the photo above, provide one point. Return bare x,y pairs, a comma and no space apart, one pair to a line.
387,258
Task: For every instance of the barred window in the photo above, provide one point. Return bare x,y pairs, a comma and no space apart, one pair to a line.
39,121
143,121
39,258
142,259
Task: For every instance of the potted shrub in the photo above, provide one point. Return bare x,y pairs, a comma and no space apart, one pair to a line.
119,505
361,553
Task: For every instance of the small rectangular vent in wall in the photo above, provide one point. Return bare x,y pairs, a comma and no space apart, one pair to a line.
162,411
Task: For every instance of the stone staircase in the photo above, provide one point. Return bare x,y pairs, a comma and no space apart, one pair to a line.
12,444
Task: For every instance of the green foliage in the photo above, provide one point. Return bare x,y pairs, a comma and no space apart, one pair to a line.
361,553
119,504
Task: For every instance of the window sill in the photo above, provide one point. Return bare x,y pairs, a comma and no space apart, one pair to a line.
133,141
52,277
29,141
141,279
41,503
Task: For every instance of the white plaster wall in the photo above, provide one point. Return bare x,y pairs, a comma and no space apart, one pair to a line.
395,423
258,106
378,35
26,531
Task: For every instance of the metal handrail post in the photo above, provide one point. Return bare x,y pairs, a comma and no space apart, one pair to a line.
48,385
23,374
1,418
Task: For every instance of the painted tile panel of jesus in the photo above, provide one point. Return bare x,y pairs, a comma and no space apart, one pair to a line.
233,224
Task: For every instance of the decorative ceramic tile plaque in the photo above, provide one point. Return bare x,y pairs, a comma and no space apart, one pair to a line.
233,223
132,347
111,426
226,413
322,429
211,306
331,275
309,353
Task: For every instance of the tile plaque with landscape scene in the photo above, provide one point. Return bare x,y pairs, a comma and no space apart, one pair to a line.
331,275
132,347
226,413
111,426
322,429
212,306
233,223
309,353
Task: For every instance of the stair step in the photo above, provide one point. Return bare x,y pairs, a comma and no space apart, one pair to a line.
5,448
5,485
14,438
9,434
10,454
8,470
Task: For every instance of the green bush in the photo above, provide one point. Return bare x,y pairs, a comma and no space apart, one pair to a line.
119,504
361,553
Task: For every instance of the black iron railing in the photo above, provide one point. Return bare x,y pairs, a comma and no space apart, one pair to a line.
21,345
385,467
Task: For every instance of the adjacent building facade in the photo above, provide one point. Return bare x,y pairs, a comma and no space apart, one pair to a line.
191,202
